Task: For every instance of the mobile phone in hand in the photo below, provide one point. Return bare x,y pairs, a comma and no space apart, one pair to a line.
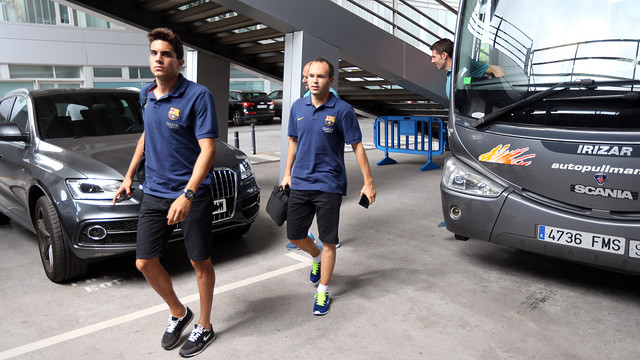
364,201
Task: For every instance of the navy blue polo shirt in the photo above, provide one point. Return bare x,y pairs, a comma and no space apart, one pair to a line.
322,133
173,125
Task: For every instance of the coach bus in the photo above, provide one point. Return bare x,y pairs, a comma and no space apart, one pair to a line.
547,157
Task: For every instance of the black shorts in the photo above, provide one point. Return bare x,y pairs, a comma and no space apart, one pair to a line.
304,204
154,233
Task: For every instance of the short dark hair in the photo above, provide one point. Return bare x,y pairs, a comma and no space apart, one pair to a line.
443,46
165,34
331,69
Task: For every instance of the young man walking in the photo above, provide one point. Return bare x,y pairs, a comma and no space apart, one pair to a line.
319,127
178,142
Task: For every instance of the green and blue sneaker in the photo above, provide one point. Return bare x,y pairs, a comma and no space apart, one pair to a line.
321,305
314,277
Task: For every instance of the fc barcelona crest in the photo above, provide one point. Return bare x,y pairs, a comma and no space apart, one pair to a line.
174,113
330,120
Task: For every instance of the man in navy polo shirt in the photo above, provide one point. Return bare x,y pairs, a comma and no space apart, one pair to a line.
319,127
178,142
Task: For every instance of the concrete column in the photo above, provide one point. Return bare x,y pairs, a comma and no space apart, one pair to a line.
212,72
300,48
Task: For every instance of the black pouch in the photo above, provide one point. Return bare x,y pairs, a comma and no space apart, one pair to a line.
277,204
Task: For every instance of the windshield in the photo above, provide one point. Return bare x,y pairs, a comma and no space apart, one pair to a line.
256,96
538,44
82,114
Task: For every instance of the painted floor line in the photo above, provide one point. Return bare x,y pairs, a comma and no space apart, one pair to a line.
21,350
275,155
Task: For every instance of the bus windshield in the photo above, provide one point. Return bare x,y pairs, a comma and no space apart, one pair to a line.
566,64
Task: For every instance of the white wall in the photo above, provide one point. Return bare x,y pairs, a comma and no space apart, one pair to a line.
33,44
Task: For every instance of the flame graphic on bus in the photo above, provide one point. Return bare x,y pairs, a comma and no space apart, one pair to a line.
502,155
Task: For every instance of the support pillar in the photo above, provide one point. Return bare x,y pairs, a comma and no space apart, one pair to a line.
212,72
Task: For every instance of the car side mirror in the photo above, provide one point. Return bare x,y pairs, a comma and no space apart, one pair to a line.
12,132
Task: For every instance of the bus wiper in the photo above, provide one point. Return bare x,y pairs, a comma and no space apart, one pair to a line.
630,96
531,99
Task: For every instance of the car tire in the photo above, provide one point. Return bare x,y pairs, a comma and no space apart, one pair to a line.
267,121
4,219
58,261
236,118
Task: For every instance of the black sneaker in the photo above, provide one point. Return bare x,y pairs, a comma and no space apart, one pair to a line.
174,330
198,340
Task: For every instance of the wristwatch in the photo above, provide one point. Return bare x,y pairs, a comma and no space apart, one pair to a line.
189,194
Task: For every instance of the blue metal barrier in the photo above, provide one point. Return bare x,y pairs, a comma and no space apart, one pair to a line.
415,131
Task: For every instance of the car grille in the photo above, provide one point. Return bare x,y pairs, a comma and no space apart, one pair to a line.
123,232
225,188
119,232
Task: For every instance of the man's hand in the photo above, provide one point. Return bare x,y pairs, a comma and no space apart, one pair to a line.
495,71
124,190
286,181
178,210
370,191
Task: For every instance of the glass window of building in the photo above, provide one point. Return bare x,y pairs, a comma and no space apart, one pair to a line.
8,86
28,11
66,15
110,72
140,73
67,72
30,71
86,20
118,84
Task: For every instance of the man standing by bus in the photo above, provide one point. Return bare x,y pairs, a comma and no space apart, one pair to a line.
442,58
178,142
319,127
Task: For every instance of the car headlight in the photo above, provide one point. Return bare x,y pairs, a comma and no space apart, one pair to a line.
246,170
93,189
460,177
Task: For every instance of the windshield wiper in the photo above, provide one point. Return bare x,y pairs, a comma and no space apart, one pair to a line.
531,99
630,96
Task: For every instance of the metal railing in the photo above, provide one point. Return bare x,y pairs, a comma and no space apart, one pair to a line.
405,19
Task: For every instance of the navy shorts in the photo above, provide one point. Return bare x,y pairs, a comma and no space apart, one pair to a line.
304,204
154,233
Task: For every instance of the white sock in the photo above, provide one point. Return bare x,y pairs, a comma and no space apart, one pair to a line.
323,288
318,258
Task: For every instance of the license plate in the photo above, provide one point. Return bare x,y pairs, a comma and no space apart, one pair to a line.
581,239
261,106
634,249
219,206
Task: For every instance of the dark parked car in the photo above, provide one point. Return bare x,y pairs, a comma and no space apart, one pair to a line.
276,96
247,105
63,154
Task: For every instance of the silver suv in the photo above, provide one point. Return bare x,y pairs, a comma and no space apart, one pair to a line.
64,153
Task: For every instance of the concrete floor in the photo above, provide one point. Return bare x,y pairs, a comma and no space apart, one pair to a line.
403,289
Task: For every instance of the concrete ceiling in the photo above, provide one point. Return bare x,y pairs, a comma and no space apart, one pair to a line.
236,35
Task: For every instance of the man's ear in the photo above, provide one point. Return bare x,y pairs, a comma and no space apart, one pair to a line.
180,63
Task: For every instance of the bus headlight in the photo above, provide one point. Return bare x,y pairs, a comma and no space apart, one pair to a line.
460,177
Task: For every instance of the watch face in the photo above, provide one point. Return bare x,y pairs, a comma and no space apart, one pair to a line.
188,194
